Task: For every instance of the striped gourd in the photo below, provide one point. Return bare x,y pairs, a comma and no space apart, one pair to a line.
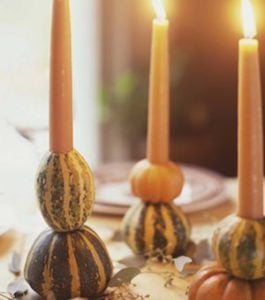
70,265
65,190
239,246
150,226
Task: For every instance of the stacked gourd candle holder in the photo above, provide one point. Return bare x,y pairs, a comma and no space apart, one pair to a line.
69,260
239,241
155,223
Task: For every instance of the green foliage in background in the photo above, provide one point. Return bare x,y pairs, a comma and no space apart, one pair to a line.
124,100
123,103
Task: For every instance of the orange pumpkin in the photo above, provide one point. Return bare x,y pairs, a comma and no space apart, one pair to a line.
215,283
156,182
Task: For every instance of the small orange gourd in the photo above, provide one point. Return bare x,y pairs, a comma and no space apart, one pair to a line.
156,182
215,283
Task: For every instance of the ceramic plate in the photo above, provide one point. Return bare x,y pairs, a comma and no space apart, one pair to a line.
203,189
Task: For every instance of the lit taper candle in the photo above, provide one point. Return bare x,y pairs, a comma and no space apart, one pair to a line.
61,123
250,135
158,111
157,181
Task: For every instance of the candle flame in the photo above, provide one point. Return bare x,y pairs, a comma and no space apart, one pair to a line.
159,9
248,19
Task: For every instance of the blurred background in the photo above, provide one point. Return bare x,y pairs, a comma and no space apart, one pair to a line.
111,53
204,47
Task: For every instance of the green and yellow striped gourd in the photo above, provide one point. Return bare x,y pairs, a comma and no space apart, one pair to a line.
239,246
148,227
70,265
65,190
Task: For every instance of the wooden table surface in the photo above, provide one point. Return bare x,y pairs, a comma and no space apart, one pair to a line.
147,283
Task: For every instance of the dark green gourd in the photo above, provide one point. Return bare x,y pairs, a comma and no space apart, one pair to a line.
69,264
150,226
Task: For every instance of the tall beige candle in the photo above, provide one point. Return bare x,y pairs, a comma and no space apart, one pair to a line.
158,107
250,132
61,124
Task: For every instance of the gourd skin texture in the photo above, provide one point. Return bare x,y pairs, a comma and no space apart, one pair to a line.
65,190
214,283
156,182
148,226
68,264
239,247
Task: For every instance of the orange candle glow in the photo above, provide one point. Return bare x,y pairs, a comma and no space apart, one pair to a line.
158,110
250,135
61,125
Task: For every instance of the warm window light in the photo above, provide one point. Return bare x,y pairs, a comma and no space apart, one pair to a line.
159,9
248,19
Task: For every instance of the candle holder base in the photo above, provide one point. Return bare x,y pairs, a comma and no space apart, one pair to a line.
148,227
239,247
159,182
69,265
69,260
65,190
